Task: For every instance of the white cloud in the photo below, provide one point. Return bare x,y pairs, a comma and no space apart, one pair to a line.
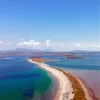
77,45
31,43
28,43
2,42
48,42
22,39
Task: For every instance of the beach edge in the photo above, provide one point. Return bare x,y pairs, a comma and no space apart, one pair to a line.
63,93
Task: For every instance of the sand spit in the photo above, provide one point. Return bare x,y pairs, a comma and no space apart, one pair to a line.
70,87
65,91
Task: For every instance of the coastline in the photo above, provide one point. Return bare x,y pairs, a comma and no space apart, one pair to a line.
64,82
51,91
68,84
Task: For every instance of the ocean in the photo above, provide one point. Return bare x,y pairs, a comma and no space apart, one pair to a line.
22,80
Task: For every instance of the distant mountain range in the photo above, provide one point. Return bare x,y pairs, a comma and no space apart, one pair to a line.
27,50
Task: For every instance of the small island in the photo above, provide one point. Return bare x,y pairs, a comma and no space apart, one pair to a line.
70,56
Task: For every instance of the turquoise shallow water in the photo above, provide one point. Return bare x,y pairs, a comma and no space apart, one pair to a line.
21,80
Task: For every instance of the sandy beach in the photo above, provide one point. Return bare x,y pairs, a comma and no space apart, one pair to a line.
70,87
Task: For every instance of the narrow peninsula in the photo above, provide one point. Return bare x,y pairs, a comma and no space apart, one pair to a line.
70,87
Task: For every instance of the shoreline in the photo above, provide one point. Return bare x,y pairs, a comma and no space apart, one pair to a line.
68,84
51,91
62,93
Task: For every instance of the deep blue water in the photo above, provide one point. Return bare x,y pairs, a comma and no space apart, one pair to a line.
90,63
22,80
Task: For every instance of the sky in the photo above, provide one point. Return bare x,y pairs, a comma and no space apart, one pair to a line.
50,24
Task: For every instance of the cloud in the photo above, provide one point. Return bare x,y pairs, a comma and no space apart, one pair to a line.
22,39
7,43
31,43
77,45
28,43
48,42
